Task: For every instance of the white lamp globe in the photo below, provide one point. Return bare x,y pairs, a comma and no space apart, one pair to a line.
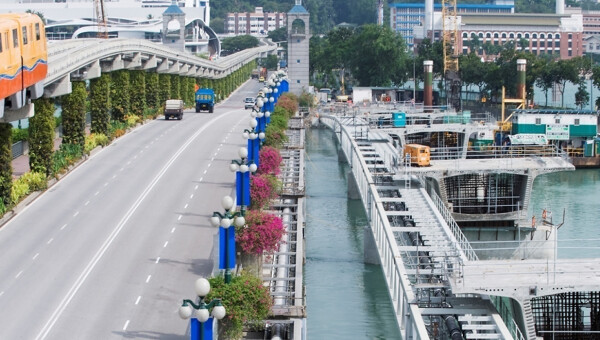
202,287
265,90
202,314
276,89
261,135
253,114
259,102
227,202
271,99
252,167
261,114
233,167
218,312
215,221
253,135
185,312
245,135
225,223
267,114
240,221
243,152
243,168
253,123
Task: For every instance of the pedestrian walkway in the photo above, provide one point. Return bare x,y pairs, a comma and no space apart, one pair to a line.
20,165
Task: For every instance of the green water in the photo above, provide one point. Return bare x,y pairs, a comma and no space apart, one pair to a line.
577,194
346,298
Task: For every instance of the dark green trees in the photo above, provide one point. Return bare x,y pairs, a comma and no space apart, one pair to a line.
5,162
152,99
100,103
41,136
73,115
138,92
164,87
120,94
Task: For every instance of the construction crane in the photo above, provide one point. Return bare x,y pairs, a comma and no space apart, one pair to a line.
100,19
450,48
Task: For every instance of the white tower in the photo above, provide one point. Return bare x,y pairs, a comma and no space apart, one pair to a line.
298,39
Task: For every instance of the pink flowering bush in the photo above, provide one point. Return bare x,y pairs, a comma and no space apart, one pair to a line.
263,188
270,160
262,233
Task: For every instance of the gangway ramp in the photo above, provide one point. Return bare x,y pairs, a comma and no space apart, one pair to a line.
418,245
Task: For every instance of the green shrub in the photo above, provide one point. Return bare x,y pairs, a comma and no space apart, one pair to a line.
41,136
2,208
246,301
132,120
19,190
94,140
67,155
35,180
19,135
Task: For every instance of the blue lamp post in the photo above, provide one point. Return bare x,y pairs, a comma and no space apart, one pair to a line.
226,222
242,168
253,140
200,312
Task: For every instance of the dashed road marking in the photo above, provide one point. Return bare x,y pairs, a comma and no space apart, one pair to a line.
35,256
126,324
138,299
63,227
191,196
185,206
157,259
166,244
205,171
121,169
173,230
196,187
106,184
209,164
148,278
76,213
86,203
97,192
50,241
19,274
179,218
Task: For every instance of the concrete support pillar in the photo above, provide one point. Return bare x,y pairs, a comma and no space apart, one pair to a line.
428,90
353,192
521,67
371,254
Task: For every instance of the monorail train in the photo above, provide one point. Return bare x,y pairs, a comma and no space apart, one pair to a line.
23,59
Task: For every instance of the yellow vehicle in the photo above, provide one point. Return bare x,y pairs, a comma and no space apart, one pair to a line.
261,79
420,155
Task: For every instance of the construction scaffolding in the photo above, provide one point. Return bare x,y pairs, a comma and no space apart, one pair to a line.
568,316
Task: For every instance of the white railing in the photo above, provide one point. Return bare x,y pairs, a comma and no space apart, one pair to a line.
67,56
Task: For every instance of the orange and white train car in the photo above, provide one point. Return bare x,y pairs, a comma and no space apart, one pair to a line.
23,59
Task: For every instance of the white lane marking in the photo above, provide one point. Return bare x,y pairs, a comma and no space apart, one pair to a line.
97,192
114,176
191,196
179,218
134,157
19,274
63,227
166,244
209,164
218,149
76,213
126,324
173,230
148,278
121,169
212,159
185,206
50,241
205,171
220,144
128,162
1,293
90,266
35,256
196,187
138,299
105,184
216,153
86,203
200,180
157,259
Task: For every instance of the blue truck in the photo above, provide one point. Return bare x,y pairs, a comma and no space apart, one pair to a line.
205,100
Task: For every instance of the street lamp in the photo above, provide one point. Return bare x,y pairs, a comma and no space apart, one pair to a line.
253,137
200,312
227,234
242,168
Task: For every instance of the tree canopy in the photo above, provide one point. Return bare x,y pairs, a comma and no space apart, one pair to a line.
236,44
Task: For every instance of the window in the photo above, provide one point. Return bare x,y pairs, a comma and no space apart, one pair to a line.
488,35
534,43
542,43
24,35
15,38
298,81
538,121
512,35
570,36
576,121
557,44
542,36
557,36
37,31
526,35
298,61
549,43
570,53
534,36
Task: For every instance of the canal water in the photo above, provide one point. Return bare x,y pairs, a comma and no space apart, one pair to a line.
346,298
576,193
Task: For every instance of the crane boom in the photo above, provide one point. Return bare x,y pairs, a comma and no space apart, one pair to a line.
101,19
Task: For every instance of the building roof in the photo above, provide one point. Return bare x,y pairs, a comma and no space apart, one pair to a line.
554,112
173,9
298,9
512,19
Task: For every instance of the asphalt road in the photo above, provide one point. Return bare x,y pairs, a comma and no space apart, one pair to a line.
113,248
